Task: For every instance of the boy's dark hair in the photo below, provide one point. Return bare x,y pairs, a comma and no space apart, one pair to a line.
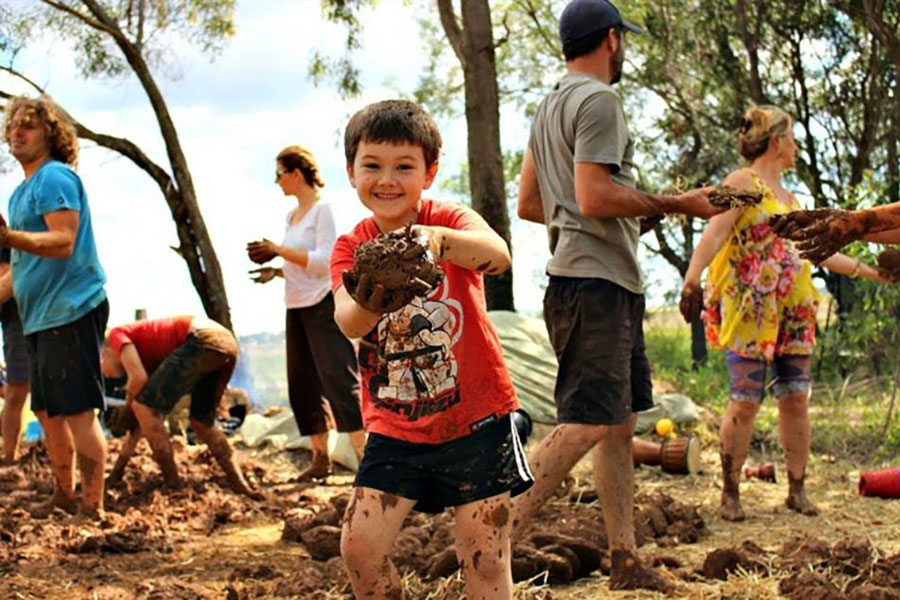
588,43
393,122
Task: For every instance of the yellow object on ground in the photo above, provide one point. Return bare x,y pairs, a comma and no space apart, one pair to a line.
665,427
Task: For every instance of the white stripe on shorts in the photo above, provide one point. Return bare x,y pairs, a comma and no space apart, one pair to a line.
519,452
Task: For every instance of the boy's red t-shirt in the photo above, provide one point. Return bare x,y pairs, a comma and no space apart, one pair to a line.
432,371
154,339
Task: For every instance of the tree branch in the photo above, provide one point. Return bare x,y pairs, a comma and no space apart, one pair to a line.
83,18
452,30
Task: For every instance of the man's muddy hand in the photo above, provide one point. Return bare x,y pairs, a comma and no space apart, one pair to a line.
695,203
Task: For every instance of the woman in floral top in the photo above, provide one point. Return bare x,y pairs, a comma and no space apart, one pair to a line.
760,306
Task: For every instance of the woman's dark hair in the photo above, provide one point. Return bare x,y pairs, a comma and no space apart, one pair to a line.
298,158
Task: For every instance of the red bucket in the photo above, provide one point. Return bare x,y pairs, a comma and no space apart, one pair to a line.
881,484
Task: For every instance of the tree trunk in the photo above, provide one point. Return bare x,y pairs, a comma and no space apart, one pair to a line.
195,246
473,44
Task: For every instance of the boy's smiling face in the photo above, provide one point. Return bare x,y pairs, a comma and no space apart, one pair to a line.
389,179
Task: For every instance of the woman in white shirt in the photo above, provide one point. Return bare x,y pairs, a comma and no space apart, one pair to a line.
323,381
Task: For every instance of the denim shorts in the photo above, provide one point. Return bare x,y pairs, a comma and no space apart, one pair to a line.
748,381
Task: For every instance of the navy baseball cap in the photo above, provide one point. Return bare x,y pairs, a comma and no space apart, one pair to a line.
581,18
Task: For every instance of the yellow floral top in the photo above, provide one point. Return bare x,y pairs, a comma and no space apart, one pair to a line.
760,300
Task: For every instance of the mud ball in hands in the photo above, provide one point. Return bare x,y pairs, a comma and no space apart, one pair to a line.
259,252
390,270
725,196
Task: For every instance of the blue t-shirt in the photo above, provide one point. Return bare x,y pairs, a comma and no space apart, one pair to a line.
52,292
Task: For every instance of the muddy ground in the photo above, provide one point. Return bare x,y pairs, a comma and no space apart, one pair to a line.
206,543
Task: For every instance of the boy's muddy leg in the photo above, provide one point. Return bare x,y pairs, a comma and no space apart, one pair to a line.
151,422
734,434
483,548
61,450
793,429
90,449
218,444
371,524
550,462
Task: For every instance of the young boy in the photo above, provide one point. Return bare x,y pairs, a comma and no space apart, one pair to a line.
436,394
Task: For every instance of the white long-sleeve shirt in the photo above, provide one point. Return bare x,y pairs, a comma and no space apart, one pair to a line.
315,233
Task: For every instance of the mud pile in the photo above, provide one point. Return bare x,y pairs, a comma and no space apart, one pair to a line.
851,569
567,540
140,515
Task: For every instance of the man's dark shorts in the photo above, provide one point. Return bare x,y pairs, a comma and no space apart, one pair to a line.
65,365
18,369
201,366
596,329
482,465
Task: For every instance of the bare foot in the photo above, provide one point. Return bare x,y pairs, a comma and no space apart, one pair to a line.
798,502
88,515
627,573
731,509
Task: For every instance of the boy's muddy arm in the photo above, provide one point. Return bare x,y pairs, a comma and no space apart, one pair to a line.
479,249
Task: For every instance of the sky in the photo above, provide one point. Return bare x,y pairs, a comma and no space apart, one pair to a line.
233,115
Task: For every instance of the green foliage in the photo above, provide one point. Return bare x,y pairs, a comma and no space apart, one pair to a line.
150,27
669,352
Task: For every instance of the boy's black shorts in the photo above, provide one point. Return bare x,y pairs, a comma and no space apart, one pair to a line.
478,466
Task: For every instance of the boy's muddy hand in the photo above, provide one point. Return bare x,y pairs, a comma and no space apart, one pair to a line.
691,305
430,237
261,251
370,295
263,274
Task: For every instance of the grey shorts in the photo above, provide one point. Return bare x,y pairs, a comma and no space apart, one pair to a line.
596,329
17,365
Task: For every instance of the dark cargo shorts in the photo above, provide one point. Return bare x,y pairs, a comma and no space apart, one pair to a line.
596,330
201,366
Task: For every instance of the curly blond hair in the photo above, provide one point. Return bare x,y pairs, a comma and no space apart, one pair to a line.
58,127
759,124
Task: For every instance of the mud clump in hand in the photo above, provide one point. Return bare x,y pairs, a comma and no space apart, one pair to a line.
725,196
889,263
390,270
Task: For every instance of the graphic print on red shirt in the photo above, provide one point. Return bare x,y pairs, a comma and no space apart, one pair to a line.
432,371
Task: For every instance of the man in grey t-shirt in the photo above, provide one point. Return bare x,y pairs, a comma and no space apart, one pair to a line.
577,178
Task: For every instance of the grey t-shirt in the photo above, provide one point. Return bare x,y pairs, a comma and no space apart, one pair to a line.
582,120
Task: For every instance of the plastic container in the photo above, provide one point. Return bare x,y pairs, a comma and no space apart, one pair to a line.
880,484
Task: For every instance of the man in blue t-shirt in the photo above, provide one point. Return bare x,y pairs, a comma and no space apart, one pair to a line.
58,282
